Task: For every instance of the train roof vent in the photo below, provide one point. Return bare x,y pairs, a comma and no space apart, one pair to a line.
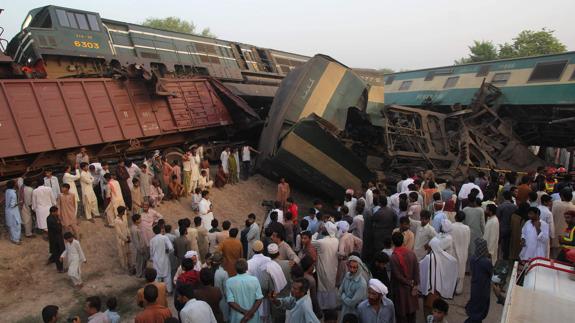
483,70
548,71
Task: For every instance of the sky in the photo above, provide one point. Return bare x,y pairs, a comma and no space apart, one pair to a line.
408,34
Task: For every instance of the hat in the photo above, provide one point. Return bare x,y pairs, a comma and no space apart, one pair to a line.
217,257
273,249
446,226
258,246
190,254
349,191
331,228
378,286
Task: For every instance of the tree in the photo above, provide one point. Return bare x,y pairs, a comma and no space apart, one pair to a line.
527,43
178,25
531,43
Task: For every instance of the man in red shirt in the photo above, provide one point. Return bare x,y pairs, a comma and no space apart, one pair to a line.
293,209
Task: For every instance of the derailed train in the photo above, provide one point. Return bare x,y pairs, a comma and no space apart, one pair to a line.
329,130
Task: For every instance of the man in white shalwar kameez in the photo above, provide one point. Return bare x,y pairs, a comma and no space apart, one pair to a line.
205,210
51,181
42,201
74,257
438,271
547,216
89,198
461,235
195,170
491,234
224,156
160,248
256,267
327,262
534,236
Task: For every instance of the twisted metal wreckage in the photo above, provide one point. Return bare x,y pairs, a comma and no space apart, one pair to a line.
329,130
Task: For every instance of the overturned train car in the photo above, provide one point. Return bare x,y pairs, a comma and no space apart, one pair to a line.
330,130
43,122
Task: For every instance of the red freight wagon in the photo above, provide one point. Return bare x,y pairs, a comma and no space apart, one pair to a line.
43,120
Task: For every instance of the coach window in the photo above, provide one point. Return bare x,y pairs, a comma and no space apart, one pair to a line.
405,85
451,82
389,79
547,71
72,20
500,78
483,70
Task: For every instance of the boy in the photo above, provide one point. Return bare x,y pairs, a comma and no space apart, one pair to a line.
440,308
137,197
111,313
74,256
55,238
196,198
176,189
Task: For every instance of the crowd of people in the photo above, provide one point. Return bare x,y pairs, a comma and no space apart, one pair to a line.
374,257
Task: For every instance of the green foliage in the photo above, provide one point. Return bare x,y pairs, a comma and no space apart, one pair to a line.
178,25
385,70
527,43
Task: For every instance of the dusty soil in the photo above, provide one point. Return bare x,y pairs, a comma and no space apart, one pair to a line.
27,284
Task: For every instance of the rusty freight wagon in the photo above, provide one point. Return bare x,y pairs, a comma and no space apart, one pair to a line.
42,121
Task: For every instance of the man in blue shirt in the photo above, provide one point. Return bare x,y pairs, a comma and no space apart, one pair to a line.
243,294
376,308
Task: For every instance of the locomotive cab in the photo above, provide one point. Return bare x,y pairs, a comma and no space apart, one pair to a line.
61,42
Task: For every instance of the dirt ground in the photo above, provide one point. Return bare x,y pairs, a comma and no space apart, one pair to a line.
27,284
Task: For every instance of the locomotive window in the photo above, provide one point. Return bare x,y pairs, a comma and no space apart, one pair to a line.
389,79
500,78
62,18
72,20
82,22
451,82
93,22
547,71
405,85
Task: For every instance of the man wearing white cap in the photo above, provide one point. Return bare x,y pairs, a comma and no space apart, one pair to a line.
327,267
376,308
350,202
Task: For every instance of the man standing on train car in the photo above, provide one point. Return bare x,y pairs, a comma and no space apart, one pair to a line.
82,156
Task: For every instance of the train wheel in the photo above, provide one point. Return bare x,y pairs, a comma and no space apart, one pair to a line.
173,154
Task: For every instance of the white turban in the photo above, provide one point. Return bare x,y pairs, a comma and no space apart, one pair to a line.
446,226
342,227
273,248
190,254
378,286
330,228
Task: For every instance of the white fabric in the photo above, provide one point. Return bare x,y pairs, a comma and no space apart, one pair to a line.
536,245
256,264
273,248
342,227
405,184
42,201
438,271
53,184
280,217
368,199
191,253
461,236
351,206
158,247
491,235
71,180
205,214
378,286
277,275
224,159
246,153
547,216
75,257
466,189
196,311
446,226
331,228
